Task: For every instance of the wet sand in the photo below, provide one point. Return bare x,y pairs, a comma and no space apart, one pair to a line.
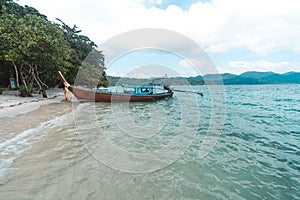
18,114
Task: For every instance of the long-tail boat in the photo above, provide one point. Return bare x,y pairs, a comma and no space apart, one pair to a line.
129,93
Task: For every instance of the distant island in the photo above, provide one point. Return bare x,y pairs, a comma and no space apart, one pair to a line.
247,78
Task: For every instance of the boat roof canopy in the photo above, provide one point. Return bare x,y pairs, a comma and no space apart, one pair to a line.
138,86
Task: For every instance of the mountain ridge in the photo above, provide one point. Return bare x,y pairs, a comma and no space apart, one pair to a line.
246,78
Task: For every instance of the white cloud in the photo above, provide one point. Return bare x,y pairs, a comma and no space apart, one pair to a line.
220,26
260,26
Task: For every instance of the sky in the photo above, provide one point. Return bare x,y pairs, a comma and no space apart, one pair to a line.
236,35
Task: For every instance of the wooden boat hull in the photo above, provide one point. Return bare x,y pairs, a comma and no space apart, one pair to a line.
90,95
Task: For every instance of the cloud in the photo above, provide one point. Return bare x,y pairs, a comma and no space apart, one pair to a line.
219,25
259,26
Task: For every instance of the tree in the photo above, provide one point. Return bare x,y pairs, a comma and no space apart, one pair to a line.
93,66
92,72
80,43
8,6
96,58
34,49
34,45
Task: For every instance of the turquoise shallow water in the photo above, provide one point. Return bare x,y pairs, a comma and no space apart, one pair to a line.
187,147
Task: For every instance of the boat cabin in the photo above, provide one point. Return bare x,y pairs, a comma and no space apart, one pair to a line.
138,90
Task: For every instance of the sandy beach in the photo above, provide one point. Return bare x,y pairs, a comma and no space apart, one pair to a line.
11,104
18,114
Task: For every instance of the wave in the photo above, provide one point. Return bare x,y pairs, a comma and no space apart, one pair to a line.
12,149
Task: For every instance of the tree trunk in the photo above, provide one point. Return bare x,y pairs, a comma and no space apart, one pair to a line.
43,91
38,77
24,81
34,77
39,82
17,74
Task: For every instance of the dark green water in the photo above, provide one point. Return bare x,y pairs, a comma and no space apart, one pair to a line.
187,147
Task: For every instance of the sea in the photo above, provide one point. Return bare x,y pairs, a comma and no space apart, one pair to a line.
235,142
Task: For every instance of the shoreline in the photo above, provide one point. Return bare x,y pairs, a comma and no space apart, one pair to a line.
19,114
12,105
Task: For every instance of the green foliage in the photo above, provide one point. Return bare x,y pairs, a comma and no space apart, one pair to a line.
34,49
95,58
1,90
33,41
8,6
25,92
103,81
80,43
92,72
91,76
